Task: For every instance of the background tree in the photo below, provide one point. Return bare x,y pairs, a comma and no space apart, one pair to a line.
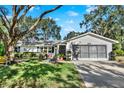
71,34
48,29
14,33
25,24
107,21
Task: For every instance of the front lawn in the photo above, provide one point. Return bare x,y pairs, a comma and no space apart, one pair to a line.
36,74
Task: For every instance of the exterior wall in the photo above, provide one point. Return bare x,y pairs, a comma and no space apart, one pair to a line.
88,39
29,49
34,49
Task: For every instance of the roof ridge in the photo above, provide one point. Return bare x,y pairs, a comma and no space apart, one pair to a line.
91,33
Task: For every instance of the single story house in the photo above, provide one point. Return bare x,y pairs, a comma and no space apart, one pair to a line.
89,45
36,46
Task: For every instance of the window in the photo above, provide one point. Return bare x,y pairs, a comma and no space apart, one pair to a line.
17,49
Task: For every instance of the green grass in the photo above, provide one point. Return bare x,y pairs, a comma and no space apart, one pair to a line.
35,74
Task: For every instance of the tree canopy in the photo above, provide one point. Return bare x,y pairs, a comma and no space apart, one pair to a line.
45,30
48,29
107,21
15,31
71,34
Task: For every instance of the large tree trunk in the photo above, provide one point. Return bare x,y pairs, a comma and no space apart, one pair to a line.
9,52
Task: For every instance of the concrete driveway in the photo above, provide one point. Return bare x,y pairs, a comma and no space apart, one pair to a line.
101,74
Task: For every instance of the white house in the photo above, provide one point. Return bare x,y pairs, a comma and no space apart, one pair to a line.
91,46
37,46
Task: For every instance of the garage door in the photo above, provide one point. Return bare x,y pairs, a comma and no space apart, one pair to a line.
91,51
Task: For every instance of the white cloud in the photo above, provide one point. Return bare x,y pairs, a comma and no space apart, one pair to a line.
72,13
90,8
68,29
70,22
61,25
36,8
57,19
31,9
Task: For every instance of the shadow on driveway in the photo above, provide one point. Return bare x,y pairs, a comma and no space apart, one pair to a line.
101,74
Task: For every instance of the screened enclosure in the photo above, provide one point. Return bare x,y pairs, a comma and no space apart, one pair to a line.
91,51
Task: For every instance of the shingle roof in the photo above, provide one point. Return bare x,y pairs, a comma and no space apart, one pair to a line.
95,35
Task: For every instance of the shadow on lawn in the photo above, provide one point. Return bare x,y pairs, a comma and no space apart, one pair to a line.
65,83
35,71
34,74
7,73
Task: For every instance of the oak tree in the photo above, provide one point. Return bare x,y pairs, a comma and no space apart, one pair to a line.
10,33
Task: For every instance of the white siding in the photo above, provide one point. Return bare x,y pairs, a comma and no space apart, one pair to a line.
28,49
88,39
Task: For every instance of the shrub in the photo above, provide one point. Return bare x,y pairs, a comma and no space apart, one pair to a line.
60,55
68,55
119,52
41,57
17,55
68,52
2,52
54,59
117,46
33,54
68,59
26,54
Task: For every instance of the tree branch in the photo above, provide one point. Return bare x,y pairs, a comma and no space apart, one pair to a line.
4,15
25,12
4,22
14,8
16,13
3,35
38,20
20,9
14,19
41,16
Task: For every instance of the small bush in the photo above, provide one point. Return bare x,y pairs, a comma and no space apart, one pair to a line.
68,52
68,59
41,57
68,55
2,52
119,52
19,55
117,46
33,54
26,54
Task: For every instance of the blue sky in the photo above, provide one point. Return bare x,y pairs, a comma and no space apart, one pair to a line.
68,16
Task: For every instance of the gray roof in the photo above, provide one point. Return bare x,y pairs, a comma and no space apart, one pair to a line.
95,35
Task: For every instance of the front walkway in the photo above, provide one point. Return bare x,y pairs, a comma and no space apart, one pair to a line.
101,74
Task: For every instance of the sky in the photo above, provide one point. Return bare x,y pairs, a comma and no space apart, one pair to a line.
68,16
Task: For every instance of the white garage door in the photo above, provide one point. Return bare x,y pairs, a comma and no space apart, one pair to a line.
91,51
